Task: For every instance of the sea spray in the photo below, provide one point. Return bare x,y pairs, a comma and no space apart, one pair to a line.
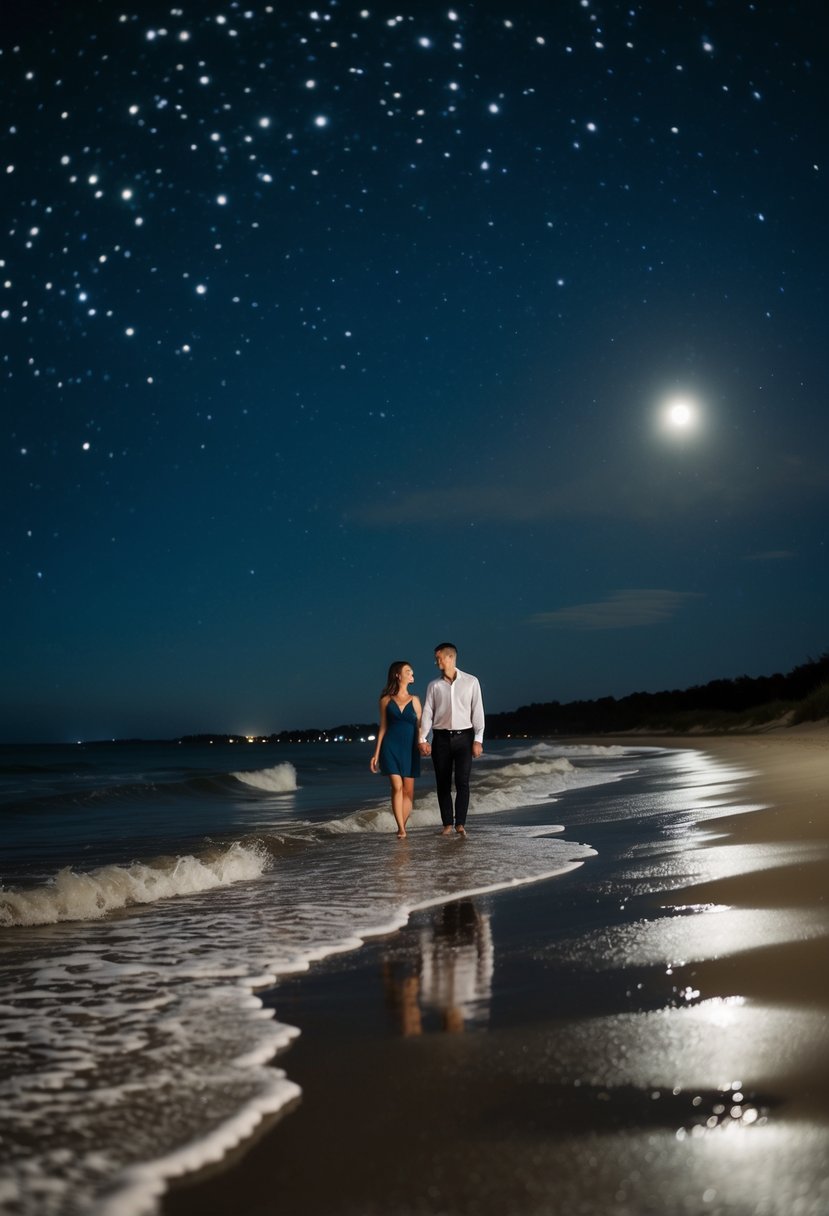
281,779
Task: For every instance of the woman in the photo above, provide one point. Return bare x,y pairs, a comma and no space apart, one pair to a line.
397,753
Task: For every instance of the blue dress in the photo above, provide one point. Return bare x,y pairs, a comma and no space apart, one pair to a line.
399,751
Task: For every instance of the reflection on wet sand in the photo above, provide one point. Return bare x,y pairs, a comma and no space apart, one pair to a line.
446,983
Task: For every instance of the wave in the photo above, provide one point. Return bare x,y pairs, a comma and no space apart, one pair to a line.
281,779
521,783
157,1018
76,896
601,751
154,1018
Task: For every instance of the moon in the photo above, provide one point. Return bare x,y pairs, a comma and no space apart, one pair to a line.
680,415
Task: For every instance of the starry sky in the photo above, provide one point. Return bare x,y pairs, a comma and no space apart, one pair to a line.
328,334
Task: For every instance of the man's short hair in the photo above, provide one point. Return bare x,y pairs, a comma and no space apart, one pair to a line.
447,646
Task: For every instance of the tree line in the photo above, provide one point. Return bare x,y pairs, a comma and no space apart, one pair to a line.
801,693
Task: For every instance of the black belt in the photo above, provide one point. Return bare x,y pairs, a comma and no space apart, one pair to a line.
465,731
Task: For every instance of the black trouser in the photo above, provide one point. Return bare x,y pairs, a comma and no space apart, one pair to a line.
452,755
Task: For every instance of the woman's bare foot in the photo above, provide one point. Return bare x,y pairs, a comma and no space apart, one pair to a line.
402,835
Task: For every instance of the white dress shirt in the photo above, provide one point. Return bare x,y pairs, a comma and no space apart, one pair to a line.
454,705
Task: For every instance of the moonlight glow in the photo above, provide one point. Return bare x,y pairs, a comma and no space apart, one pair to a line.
257,255
681,415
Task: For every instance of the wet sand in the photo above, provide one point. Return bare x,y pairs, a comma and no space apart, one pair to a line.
654,1038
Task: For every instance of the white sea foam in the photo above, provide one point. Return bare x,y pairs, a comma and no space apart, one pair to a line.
535,778
171,1084
281,779
577,750
152,1019
78,896
141,1186
153,1014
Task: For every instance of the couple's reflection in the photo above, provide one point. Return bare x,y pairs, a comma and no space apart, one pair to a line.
446,982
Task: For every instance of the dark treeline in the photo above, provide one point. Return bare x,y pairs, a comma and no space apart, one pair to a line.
801,694
704,704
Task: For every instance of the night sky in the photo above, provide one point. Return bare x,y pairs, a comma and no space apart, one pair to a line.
331,333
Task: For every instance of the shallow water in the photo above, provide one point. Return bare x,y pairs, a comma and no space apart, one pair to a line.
607,1045
134,1044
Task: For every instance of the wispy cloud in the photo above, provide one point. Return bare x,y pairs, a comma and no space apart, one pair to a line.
770,555
643,494
513,501
621,610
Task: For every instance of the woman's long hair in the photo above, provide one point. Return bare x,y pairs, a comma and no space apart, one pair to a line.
393,678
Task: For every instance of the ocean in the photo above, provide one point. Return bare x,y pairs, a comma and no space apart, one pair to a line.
150,891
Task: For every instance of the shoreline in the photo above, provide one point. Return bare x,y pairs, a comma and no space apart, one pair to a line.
443,1123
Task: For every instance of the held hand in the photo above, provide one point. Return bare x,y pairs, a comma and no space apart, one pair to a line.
477,749
425,749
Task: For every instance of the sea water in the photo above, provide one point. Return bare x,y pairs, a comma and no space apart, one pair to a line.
149,891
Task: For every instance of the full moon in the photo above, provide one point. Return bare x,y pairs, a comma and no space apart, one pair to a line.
680,415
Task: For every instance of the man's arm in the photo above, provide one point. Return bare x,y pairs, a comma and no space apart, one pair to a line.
476,710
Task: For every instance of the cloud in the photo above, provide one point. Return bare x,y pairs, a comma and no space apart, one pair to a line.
621,610
770,555
641,493
513,501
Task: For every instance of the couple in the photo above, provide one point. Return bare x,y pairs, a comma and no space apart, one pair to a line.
454,713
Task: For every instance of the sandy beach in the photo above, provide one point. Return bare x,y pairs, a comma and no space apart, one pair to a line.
654,1037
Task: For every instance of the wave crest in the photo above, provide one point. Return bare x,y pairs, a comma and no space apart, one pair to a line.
585,750
537,767
281,779
78,896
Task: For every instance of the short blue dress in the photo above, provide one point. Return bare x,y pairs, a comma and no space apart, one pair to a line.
399,752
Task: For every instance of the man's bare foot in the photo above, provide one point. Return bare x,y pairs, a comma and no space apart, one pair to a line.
447,831
460,829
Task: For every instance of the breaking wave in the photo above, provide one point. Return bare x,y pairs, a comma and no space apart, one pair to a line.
281,779
76,896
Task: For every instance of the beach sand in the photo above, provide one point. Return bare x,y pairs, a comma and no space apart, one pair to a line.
654,1039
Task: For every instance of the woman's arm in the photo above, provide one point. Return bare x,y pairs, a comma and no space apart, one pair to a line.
381,731
426,717
418,708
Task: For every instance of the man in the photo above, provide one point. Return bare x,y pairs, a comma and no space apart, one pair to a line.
454,712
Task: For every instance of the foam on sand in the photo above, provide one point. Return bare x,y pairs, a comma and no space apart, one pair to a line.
153,1013
155,1017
